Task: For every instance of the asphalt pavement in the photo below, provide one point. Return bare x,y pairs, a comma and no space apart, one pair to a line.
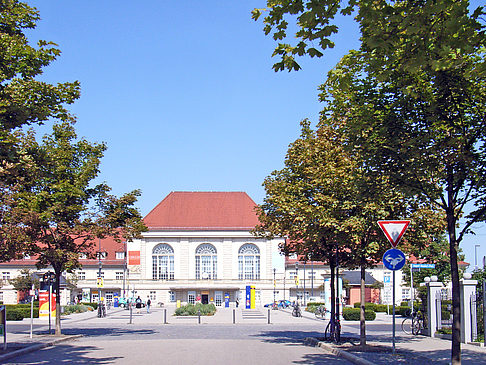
232,335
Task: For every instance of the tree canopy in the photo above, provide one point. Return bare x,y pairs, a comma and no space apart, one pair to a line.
411,99
51,207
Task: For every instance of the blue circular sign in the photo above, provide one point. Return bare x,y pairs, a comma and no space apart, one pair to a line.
394,259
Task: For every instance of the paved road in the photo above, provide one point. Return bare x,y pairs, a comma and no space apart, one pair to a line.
113,341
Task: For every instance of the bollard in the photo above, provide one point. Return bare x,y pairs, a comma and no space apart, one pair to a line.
165,315
199,316
268,317
130,314
234,316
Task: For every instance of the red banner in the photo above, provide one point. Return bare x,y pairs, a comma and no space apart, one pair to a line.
44,304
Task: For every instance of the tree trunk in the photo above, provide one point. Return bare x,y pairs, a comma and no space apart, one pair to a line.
333,291
456,294
58,301
362,323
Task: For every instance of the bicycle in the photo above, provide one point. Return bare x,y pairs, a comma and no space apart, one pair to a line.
101,310
296,312
320,312
333,330
413,325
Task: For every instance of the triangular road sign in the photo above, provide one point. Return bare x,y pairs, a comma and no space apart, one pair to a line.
394,230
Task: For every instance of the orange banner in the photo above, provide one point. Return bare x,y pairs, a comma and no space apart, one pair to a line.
133,257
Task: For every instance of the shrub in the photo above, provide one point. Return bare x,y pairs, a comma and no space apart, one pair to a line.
92,305
14,314
403,310
368,306
192,310
76,308
311,307
21,310
381,308
353,314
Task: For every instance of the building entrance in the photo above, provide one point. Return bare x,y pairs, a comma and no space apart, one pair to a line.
204,298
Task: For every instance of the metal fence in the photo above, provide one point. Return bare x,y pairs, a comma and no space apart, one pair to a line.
443,302
477,317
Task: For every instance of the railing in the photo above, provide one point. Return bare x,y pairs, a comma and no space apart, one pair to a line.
477,318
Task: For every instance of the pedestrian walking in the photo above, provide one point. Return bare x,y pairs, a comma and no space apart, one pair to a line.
138,304
148,304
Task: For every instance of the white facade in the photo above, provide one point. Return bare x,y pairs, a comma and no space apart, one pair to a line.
228,269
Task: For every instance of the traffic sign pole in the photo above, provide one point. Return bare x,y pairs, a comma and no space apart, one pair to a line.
394,259
393,337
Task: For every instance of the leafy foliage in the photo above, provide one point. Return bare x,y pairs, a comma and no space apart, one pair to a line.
50,208
24,281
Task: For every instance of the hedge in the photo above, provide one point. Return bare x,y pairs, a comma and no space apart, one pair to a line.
368,306
93,305
18,313
381,308
353,314
77,308
192,310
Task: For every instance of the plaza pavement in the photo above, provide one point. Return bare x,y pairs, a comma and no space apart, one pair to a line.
409,349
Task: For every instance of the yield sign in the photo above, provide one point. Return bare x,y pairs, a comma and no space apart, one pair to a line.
394,230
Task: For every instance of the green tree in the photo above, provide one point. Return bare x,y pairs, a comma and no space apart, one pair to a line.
65,214
417,107
324,203
25,281
23,101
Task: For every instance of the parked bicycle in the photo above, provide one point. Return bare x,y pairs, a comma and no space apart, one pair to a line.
333,329
320,312
101,310
296,312
414,324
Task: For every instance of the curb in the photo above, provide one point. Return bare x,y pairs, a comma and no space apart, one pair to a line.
339,353
36,347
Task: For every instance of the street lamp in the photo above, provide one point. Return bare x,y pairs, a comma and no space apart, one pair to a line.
274,283
297,280
49,278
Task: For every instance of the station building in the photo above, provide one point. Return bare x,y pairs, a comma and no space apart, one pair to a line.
199,247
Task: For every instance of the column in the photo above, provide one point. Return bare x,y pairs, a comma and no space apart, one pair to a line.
468,288
433,288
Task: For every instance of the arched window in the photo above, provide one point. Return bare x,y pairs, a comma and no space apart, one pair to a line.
163,262
249,262
206,262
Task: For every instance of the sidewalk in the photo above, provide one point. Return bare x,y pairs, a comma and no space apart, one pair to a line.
409,349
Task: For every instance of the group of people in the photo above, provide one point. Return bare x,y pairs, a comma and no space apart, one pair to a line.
139,304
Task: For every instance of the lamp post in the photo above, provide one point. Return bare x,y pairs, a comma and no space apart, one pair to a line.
312,278
124,267
304,284
297,280
274,283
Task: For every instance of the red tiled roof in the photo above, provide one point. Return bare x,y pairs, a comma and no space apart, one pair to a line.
108,245
203,211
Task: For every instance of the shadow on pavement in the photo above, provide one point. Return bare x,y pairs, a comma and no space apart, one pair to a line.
65,354
287,337
103,331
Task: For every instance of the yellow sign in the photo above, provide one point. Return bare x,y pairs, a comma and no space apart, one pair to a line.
296,280
99,282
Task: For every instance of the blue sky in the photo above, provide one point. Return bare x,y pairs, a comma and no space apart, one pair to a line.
183,92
